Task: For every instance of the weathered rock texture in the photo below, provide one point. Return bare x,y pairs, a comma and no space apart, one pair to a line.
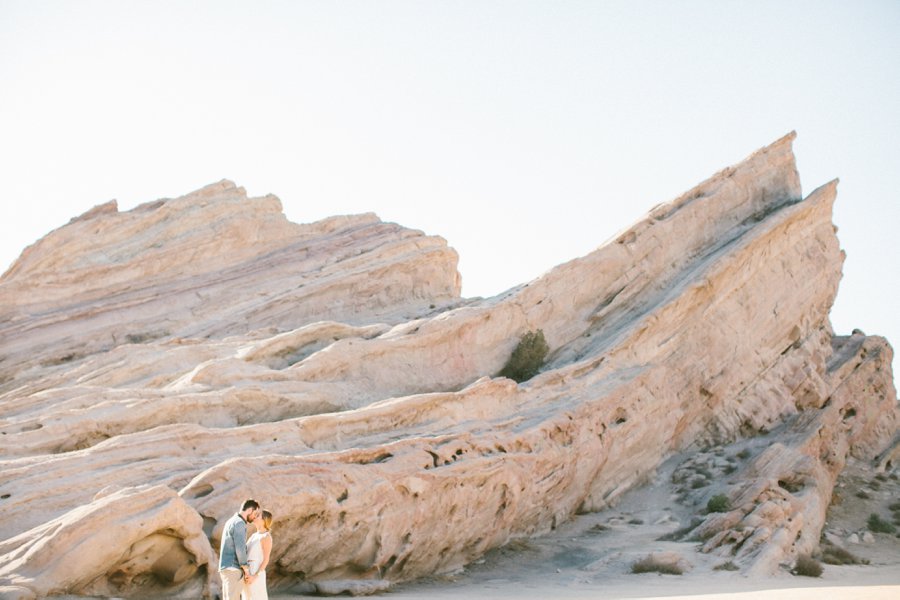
207,347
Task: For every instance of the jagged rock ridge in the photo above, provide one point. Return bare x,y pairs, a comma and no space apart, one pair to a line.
162,364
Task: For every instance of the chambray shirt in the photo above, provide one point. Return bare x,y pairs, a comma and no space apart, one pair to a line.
233,551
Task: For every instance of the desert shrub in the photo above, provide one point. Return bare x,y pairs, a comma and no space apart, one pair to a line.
726,566
895,506
862,494
729,469
807,566
651,565
718,503
698,483
879,525
527,358
833,555
743,454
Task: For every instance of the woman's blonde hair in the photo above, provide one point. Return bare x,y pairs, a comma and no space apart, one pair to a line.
267,519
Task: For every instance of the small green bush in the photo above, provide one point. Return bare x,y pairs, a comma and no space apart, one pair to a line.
718,503
894,507
527,358
807,566
726,566
879,525
649,565
743,454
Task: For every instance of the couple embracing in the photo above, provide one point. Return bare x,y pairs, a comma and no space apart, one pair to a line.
242,562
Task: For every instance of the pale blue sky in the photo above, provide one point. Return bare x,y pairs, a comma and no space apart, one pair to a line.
525,133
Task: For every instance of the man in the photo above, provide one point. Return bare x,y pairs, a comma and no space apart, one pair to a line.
233,567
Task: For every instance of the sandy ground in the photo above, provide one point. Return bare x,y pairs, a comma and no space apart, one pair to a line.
591,556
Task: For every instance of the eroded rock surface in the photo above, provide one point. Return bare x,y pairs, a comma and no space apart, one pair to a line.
208,348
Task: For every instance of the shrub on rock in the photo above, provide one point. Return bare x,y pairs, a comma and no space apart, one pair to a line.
718,503
527,358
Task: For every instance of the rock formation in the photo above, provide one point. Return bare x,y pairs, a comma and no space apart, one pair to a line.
158,366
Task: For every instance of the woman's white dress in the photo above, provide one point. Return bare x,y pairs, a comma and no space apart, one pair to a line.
257,590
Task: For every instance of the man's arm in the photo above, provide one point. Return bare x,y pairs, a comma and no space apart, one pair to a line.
240,545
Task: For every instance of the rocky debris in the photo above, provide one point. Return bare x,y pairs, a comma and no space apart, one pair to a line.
208,347
781,499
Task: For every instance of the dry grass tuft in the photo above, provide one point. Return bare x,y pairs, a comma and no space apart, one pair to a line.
651,565
833,555
807,566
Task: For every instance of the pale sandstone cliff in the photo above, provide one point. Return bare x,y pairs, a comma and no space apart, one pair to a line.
208,347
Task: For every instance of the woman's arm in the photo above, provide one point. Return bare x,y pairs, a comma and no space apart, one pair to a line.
267,550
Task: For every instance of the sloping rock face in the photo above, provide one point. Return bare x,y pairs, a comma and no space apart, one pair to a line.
211,264
159,366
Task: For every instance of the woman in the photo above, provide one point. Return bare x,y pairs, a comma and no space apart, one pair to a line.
259,548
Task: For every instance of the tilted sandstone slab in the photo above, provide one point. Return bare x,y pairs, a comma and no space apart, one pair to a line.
141,537
705,322
210,264
782,497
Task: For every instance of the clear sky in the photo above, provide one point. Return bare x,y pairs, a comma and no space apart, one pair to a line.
525,133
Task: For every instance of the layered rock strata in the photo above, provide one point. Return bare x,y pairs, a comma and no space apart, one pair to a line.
781,498
208,265
332,372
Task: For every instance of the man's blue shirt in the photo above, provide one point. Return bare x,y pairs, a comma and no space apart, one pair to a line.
233,551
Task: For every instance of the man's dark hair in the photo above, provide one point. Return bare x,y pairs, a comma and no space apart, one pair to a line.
251,503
